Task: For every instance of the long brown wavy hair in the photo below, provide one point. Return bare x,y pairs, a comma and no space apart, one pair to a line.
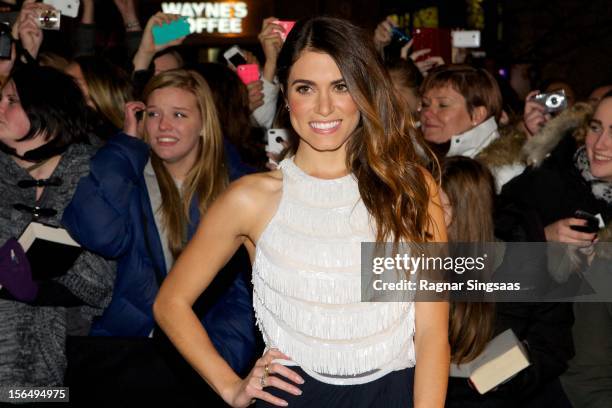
208,177
470,189
380,152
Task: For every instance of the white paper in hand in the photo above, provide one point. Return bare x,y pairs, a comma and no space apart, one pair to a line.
69,8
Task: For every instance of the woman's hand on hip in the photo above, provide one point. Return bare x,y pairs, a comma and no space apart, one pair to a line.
264,374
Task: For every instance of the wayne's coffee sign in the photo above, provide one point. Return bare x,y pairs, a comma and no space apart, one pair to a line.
216,20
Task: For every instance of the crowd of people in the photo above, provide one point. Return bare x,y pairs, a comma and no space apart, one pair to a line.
213,270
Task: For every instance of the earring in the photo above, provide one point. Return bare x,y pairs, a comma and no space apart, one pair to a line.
287,107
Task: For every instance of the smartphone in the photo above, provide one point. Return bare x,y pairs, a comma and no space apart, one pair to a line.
169,32
287,25
592,222
466,39
275,137
248,73
234,57
438,40
68,8
399,36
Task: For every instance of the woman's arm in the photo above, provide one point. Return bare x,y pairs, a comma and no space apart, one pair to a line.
431,334
231,220
98,216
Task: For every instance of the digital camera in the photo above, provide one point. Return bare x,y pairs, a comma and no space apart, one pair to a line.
553,101
49,19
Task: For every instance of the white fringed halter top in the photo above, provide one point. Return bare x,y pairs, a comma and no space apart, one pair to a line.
307,285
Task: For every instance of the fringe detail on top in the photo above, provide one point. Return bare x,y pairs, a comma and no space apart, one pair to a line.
340,286
315,252
342,221
307,283
391,347
318,192
330,322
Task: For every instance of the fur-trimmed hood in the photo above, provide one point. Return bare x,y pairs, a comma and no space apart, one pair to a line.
505,150
538,147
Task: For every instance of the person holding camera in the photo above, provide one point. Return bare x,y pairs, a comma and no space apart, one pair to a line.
22,42
568,190
387,35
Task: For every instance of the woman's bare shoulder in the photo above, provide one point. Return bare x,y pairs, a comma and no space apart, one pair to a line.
251,202
255,188
251,196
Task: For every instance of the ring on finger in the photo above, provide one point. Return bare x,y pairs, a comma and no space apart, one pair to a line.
265,375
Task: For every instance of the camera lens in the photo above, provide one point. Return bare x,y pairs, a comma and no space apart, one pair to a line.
48,19
554,101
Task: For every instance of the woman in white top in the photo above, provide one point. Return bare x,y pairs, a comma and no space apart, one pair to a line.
353,177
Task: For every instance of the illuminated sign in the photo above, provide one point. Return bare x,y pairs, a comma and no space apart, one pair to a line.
222,18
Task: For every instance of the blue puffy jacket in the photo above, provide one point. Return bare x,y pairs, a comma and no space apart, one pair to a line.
111,215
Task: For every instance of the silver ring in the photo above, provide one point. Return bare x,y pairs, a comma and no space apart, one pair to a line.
262,381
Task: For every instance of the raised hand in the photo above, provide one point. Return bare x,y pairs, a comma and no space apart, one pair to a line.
383,34
534,114
148,48
424,65
271,43
127,9
256,96
27,28
131,124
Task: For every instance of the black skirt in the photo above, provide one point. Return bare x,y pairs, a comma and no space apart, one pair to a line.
394,390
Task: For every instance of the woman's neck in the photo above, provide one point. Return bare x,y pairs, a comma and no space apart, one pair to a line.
179,170
324,165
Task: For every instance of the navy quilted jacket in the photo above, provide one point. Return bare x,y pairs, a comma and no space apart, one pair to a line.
111,215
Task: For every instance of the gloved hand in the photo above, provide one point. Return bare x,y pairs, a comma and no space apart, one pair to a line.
15,272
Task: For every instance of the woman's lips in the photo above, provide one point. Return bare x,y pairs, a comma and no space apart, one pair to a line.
325,127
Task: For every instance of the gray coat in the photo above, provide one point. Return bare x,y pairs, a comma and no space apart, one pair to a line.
33,338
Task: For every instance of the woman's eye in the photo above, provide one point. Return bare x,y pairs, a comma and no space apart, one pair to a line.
13,101
180,115
341,88
303,89
151,114
595,128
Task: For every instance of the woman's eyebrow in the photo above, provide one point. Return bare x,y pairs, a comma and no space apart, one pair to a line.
309,82
302,81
